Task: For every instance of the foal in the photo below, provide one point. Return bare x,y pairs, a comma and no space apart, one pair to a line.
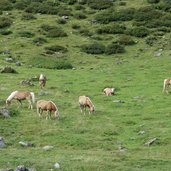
20,96
85,102
108,91
48,106
42,80
166,84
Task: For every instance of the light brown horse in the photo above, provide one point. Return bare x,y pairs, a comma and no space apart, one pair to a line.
108,91
166,84
85,102
42,80
20,96
48,106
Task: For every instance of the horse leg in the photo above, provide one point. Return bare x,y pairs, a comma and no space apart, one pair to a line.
30,104
19,103
38,111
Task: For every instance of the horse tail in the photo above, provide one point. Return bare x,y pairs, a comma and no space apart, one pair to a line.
32,97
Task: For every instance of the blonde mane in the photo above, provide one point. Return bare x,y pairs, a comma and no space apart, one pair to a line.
11,96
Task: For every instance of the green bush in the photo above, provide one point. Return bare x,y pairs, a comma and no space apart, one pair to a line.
28,16
126,40
151,40
104,17
138,32
21,5
63,11
111,29
26,34
39,41
5,5
56,32
76,26
114,48
94,48
99,4
55,48
153,1
80,15
5,32
5,22
61,21
79,7
85,32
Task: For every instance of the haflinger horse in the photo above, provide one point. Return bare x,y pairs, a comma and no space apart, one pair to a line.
166,84
49,106
42,80
108,91
85,102
20,96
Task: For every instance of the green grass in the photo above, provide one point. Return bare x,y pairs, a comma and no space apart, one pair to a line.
87,142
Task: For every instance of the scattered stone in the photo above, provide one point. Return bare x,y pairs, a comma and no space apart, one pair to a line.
26,144
2,144
26,83
118,101
5,112
141,132
6,52
151,141
21,168
47,147
137,97
9,59
66,91
18,63
122,149
56,165
8,69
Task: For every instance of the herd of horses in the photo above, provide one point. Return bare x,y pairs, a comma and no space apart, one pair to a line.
50,106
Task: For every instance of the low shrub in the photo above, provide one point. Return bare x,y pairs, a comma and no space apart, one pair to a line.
21,5
151,40
111,29
5,5
138,32
5,22
76,26
94,48
63,11
79,7
55,48
39,41
56,32
126,40
114,48
80,15
104,17
28,16
99,5
153,1
85,32
5,32
26,34
61,21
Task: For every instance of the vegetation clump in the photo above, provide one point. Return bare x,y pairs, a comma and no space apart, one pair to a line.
5,22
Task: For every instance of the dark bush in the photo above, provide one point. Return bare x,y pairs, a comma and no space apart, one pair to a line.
104,17
76,26
126,40
94,48
39,41
80,15
151,40
100,4
28,16
79,7
114,48
5,22
5,5
71,2
82,2
63,11
47,27
63,64
56,32
61,21
85,32
147,13
138,32
26,34
153,1
55,48
111,29
21,5
5,32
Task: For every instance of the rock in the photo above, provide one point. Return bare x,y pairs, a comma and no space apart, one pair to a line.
56,165
8,69
21,168
47,147
5,112
7,169
151,141
26,83
18,63
118,101
122,149
141,132
2,144
9,60
26,144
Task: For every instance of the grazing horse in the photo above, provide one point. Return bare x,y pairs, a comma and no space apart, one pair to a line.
108,91
42,80
84,102
19,96
48,106
166,84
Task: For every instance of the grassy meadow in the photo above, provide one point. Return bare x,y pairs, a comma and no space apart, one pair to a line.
114,137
